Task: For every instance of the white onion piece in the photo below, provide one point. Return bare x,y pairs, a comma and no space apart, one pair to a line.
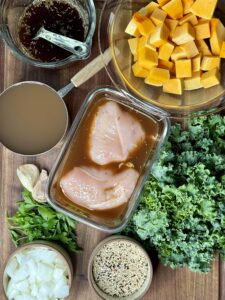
61,291
44,272
11,267
11,291
58,273
23,286
20,274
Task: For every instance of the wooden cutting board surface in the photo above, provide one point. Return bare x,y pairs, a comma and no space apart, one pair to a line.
167,284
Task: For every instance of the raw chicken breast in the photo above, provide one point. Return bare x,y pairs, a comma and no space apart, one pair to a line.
98,189
114,134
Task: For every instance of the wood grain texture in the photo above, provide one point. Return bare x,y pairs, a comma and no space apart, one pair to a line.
167,284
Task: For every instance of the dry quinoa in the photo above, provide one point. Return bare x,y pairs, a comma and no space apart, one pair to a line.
120,268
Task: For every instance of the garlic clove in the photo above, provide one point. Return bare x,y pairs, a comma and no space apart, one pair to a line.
28,175
39,190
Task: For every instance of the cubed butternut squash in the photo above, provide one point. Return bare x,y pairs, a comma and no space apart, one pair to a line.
166,64
149,81
144,24
189,18
183,68
174,9
132,29
173,86
203,47
222,51
159,36
143,42
166,50
202,30
162,2
204,9
210,62
217,36
196,63
147,58
183,34
158,75
144,12
171,25
190,49
210,78
170,45
193,83
139,71
158,16
178,53
151,6
133,44
187,4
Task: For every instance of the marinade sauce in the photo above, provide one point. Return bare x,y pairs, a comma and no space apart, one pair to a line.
77,155
57,16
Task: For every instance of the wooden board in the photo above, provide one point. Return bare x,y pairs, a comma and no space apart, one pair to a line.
167,284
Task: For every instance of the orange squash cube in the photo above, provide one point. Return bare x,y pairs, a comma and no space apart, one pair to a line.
174,9
210,78
183,34
159,36
158,16
173,86
165,51
183,68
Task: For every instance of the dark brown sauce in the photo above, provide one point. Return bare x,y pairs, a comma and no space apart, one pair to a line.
77,155
56,16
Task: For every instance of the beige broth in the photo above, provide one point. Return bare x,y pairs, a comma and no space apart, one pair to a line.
33,118
77,155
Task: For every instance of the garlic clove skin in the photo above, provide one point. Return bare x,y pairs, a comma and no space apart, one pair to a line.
39,190
28,175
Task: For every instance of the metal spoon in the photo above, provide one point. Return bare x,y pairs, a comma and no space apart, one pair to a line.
71,45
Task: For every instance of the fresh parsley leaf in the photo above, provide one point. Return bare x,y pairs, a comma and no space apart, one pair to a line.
35,221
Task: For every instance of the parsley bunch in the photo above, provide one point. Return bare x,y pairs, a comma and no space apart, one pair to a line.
38,221
182,209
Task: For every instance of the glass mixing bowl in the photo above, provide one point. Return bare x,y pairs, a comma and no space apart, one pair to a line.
10,13
114,18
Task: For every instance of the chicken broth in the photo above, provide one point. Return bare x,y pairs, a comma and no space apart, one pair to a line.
79,155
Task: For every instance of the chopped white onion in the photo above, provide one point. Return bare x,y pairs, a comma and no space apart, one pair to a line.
37,274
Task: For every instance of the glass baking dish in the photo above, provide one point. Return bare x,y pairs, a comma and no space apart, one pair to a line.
56,198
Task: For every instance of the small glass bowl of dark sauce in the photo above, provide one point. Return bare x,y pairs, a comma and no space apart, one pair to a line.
21,20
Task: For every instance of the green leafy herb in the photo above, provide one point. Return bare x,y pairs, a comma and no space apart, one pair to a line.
35,221
182,209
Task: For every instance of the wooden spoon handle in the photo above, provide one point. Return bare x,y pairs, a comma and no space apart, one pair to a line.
92,68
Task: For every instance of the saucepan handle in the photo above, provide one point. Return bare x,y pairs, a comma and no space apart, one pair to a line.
87,72
92,68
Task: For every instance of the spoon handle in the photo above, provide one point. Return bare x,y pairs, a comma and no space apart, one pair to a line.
71,45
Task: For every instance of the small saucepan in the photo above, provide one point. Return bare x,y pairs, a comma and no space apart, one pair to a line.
34,117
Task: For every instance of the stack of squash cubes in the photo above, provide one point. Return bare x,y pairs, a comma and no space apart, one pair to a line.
177,44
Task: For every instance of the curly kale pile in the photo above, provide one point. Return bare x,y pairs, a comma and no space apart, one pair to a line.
182,209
